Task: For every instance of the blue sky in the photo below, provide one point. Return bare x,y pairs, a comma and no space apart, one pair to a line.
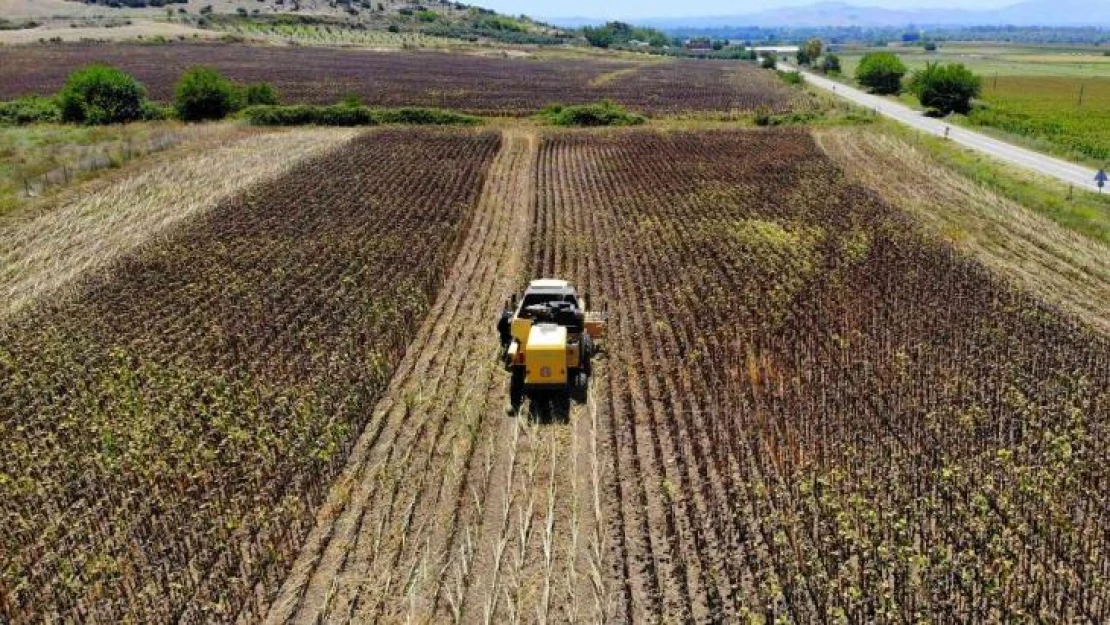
632,9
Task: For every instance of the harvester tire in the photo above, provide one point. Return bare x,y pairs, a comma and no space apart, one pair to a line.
587,353
504,328
516,389
580,386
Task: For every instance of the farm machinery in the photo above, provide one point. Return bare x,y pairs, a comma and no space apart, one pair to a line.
548,340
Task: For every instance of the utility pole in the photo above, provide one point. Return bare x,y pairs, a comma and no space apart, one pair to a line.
1081,88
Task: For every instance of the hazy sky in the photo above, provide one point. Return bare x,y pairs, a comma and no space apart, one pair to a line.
630,9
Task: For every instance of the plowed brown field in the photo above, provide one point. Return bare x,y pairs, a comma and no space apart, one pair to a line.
475,84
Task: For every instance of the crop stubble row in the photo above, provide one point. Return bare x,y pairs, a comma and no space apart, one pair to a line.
475,84
813,411
169,431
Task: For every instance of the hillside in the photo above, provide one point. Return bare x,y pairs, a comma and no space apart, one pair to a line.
269,19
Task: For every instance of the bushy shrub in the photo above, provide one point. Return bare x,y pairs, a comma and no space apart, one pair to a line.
29,110
791,78
152,111
260,93
202,93
768,62
762,116
99,94
424,116
347,115
945,88
881,72
307,114
830,64
605,113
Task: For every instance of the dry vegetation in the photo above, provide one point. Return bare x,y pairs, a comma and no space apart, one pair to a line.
39,161
474,84
170,429
1056,264
48,245
810,411
74,32
814,412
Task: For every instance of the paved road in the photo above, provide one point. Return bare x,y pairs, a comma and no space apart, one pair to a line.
1069,173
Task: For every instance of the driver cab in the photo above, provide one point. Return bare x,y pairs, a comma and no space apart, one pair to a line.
546,292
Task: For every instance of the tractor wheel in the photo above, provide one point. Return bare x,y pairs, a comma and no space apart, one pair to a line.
504,329
516,389
587,353
580,386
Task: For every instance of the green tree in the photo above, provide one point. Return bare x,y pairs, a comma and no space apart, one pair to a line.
619,33
768,61
830,64
99,94
803,56
945,88
881,72
202,93
814,47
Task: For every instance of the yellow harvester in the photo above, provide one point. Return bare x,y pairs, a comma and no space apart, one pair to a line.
549,339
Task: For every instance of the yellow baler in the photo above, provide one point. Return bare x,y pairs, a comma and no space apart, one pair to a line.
549,340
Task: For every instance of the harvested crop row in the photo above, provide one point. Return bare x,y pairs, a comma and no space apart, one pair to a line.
1042,257
47,248
815,412
474,84
170,430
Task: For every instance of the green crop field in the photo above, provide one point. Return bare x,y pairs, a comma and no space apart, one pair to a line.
1068,115
1055,99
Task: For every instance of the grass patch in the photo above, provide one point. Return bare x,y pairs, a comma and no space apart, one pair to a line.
32,157
1078,210
1071,116
349,115
600,114
791,78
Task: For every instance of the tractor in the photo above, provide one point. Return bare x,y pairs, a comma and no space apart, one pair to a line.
548,340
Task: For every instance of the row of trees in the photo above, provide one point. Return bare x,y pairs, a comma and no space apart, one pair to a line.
619,33
945,88
810,54
101,94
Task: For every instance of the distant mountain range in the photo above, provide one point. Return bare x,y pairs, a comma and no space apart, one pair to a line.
839,14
